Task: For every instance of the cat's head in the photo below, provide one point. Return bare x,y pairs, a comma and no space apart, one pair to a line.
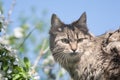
67,41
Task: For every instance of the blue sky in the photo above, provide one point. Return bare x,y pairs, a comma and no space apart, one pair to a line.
102,15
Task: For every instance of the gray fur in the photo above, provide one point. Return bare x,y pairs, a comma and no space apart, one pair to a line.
85,57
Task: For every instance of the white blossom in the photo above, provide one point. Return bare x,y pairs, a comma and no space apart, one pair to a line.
63,70
37,77
2,73
34,75
46,70
18,32
9,71
48,60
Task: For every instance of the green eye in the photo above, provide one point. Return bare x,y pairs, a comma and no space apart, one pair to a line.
65,40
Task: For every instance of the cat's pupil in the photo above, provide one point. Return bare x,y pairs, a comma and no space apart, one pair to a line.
65,40
80,40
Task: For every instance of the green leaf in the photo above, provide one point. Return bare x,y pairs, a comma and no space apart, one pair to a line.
5,66
27,63
1,7
16,77
23,74
1,26
18,69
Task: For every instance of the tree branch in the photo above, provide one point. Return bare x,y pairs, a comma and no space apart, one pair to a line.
11,10
26,37
42,51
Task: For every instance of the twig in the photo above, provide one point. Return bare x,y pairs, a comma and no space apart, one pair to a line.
42,51
26,37
7,20
11,10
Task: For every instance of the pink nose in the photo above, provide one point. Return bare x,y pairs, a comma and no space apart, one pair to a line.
73,47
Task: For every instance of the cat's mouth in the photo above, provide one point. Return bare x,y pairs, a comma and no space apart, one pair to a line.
74,53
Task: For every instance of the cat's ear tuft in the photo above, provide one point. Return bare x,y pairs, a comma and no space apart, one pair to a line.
55,21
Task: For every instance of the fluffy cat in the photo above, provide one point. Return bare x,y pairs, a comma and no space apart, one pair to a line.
80,53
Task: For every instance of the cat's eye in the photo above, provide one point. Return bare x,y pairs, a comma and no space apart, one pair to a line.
80,40
65,40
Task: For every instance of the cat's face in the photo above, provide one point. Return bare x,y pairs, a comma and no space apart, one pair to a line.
68,41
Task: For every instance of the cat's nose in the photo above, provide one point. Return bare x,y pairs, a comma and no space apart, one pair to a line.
73,47
74,50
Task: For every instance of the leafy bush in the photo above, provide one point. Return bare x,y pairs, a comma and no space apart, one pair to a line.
12,46
11,67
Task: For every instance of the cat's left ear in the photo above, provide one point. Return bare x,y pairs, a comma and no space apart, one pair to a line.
82,19
82,22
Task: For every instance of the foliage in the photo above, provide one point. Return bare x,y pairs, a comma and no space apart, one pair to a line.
28,39
9,65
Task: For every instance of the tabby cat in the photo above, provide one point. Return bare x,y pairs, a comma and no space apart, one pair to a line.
80,53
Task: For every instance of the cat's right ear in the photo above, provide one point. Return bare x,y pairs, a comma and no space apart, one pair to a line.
55,21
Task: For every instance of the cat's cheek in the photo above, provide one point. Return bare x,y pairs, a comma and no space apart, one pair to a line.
60,43
80,48
67,49
63,45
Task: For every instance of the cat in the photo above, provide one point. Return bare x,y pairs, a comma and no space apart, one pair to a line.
80,53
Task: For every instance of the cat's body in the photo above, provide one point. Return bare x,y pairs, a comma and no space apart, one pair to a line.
81,54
